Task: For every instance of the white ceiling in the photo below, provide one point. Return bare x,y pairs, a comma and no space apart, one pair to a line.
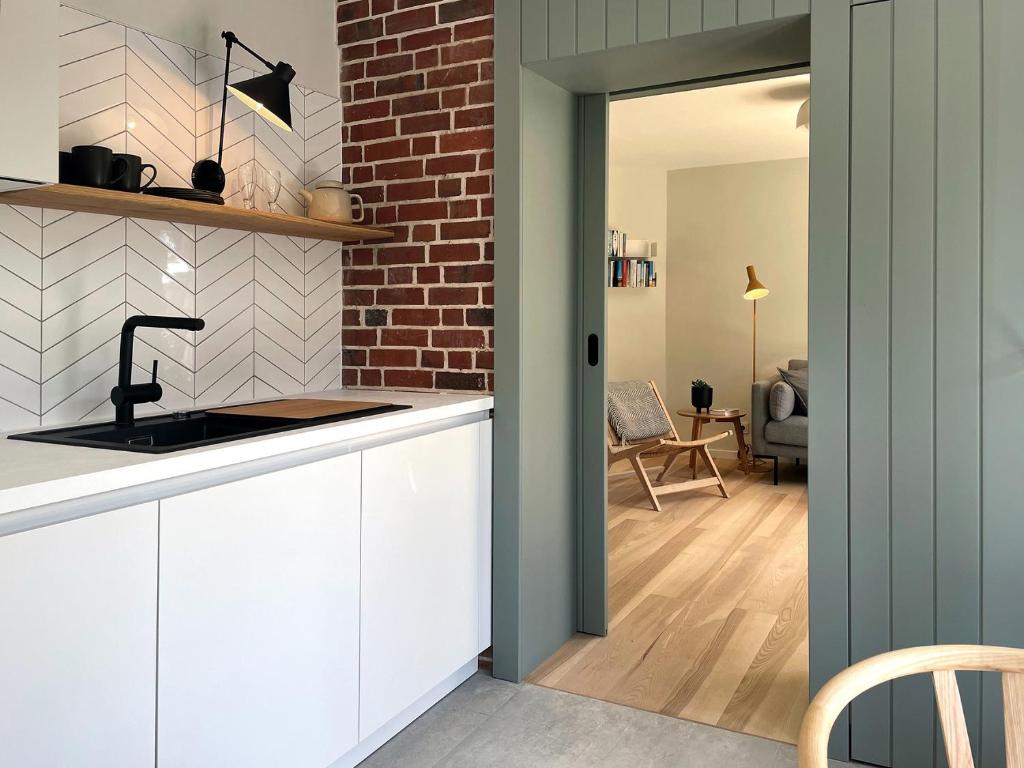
739,123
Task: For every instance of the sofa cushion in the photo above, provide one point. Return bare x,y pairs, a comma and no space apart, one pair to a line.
791,431
798,381
781,401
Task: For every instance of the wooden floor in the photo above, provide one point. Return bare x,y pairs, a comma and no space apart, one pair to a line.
707,605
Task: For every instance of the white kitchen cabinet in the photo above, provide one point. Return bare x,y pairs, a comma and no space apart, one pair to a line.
78,642
422,561
28,92
259,611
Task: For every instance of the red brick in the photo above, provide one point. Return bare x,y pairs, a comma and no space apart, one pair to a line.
383,6
383,215
362,91
454,252
449,296
480,316
460,359
426,317
409,378
424,233
474,51
402,169
361,174
380,129
350,317
363,276
357,298
357,51
463,209
400,275
424,145
369,378
392,86
465,230
437,166
486,70
387,150
352,71
487,206
406,21
387,46
360,257
456,97
427,58
392,296
485,360
489,255
457,339
467,140
413,190
353,10
370,195
350,377
352,155
461,381
351,357
469,273
423,211
389,65
397,358
421,102
428,275
464,9
471,29
400,254
453,316
404,337
475,117
427,39
449,188
369,110
449,76
481,94
478,185
487,161
432,358
428,123
359,337
487,294
357,31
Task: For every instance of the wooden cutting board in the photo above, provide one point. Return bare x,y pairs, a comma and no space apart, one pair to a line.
300,408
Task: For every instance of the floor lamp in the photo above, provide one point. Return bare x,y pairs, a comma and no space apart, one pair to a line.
755,290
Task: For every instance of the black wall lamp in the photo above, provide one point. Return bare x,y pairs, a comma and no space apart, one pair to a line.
266,95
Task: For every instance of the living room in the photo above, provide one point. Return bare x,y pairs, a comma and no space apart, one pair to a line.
707,410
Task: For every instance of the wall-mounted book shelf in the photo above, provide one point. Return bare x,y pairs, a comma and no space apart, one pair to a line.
67,197
631,262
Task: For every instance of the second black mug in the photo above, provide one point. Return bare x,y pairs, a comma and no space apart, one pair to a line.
131,181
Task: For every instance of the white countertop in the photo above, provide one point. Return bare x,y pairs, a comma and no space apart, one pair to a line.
32,474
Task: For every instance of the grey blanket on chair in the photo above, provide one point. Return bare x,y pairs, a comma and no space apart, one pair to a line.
635,412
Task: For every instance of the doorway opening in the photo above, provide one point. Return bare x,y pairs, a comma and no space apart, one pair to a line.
707,526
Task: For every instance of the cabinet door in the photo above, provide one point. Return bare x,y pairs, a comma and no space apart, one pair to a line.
29,31
78,642
421,568
259,610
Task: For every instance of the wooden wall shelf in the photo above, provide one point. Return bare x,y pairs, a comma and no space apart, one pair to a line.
67,197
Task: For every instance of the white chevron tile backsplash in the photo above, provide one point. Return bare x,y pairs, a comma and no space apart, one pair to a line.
272,304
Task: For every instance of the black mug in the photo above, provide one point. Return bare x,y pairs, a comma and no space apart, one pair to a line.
131,181
94,166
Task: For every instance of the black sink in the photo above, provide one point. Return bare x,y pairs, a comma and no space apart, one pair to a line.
166,434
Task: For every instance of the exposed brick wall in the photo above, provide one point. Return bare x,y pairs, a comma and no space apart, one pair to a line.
417,84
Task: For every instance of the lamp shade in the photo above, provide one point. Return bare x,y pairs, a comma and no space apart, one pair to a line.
267,95
755,288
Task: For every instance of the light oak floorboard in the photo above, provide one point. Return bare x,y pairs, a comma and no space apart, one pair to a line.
707,606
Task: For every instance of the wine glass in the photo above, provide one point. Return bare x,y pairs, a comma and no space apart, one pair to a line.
247,183
273,187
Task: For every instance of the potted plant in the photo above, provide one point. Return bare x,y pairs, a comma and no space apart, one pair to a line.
701,394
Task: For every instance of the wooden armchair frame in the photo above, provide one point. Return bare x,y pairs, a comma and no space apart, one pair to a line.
942,661
670,446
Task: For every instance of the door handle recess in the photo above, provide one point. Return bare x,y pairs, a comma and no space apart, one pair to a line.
592,357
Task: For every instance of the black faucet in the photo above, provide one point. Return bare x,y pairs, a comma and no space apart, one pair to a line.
125,395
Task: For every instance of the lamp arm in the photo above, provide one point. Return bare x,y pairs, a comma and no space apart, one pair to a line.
232,39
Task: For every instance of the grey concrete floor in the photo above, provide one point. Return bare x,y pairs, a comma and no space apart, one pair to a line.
487,722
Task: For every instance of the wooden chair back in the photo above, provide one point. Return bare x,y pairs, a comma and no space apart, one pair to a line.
942,662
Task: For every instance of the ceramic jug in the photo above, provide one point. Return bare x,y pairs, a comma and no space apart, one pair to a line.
330,201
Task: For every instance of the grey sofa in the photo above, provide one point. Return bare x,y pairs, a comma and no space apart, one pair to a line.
771,439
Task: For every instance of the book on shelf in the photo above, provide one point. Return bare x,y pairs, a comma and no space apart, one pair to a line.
630,262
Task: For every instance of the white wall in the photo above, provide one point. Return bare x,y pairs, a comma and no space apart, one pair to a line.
720,219
637,200
300,32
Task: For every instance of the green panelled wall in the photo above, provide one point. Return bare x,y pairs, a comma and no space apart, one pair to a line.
554,29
